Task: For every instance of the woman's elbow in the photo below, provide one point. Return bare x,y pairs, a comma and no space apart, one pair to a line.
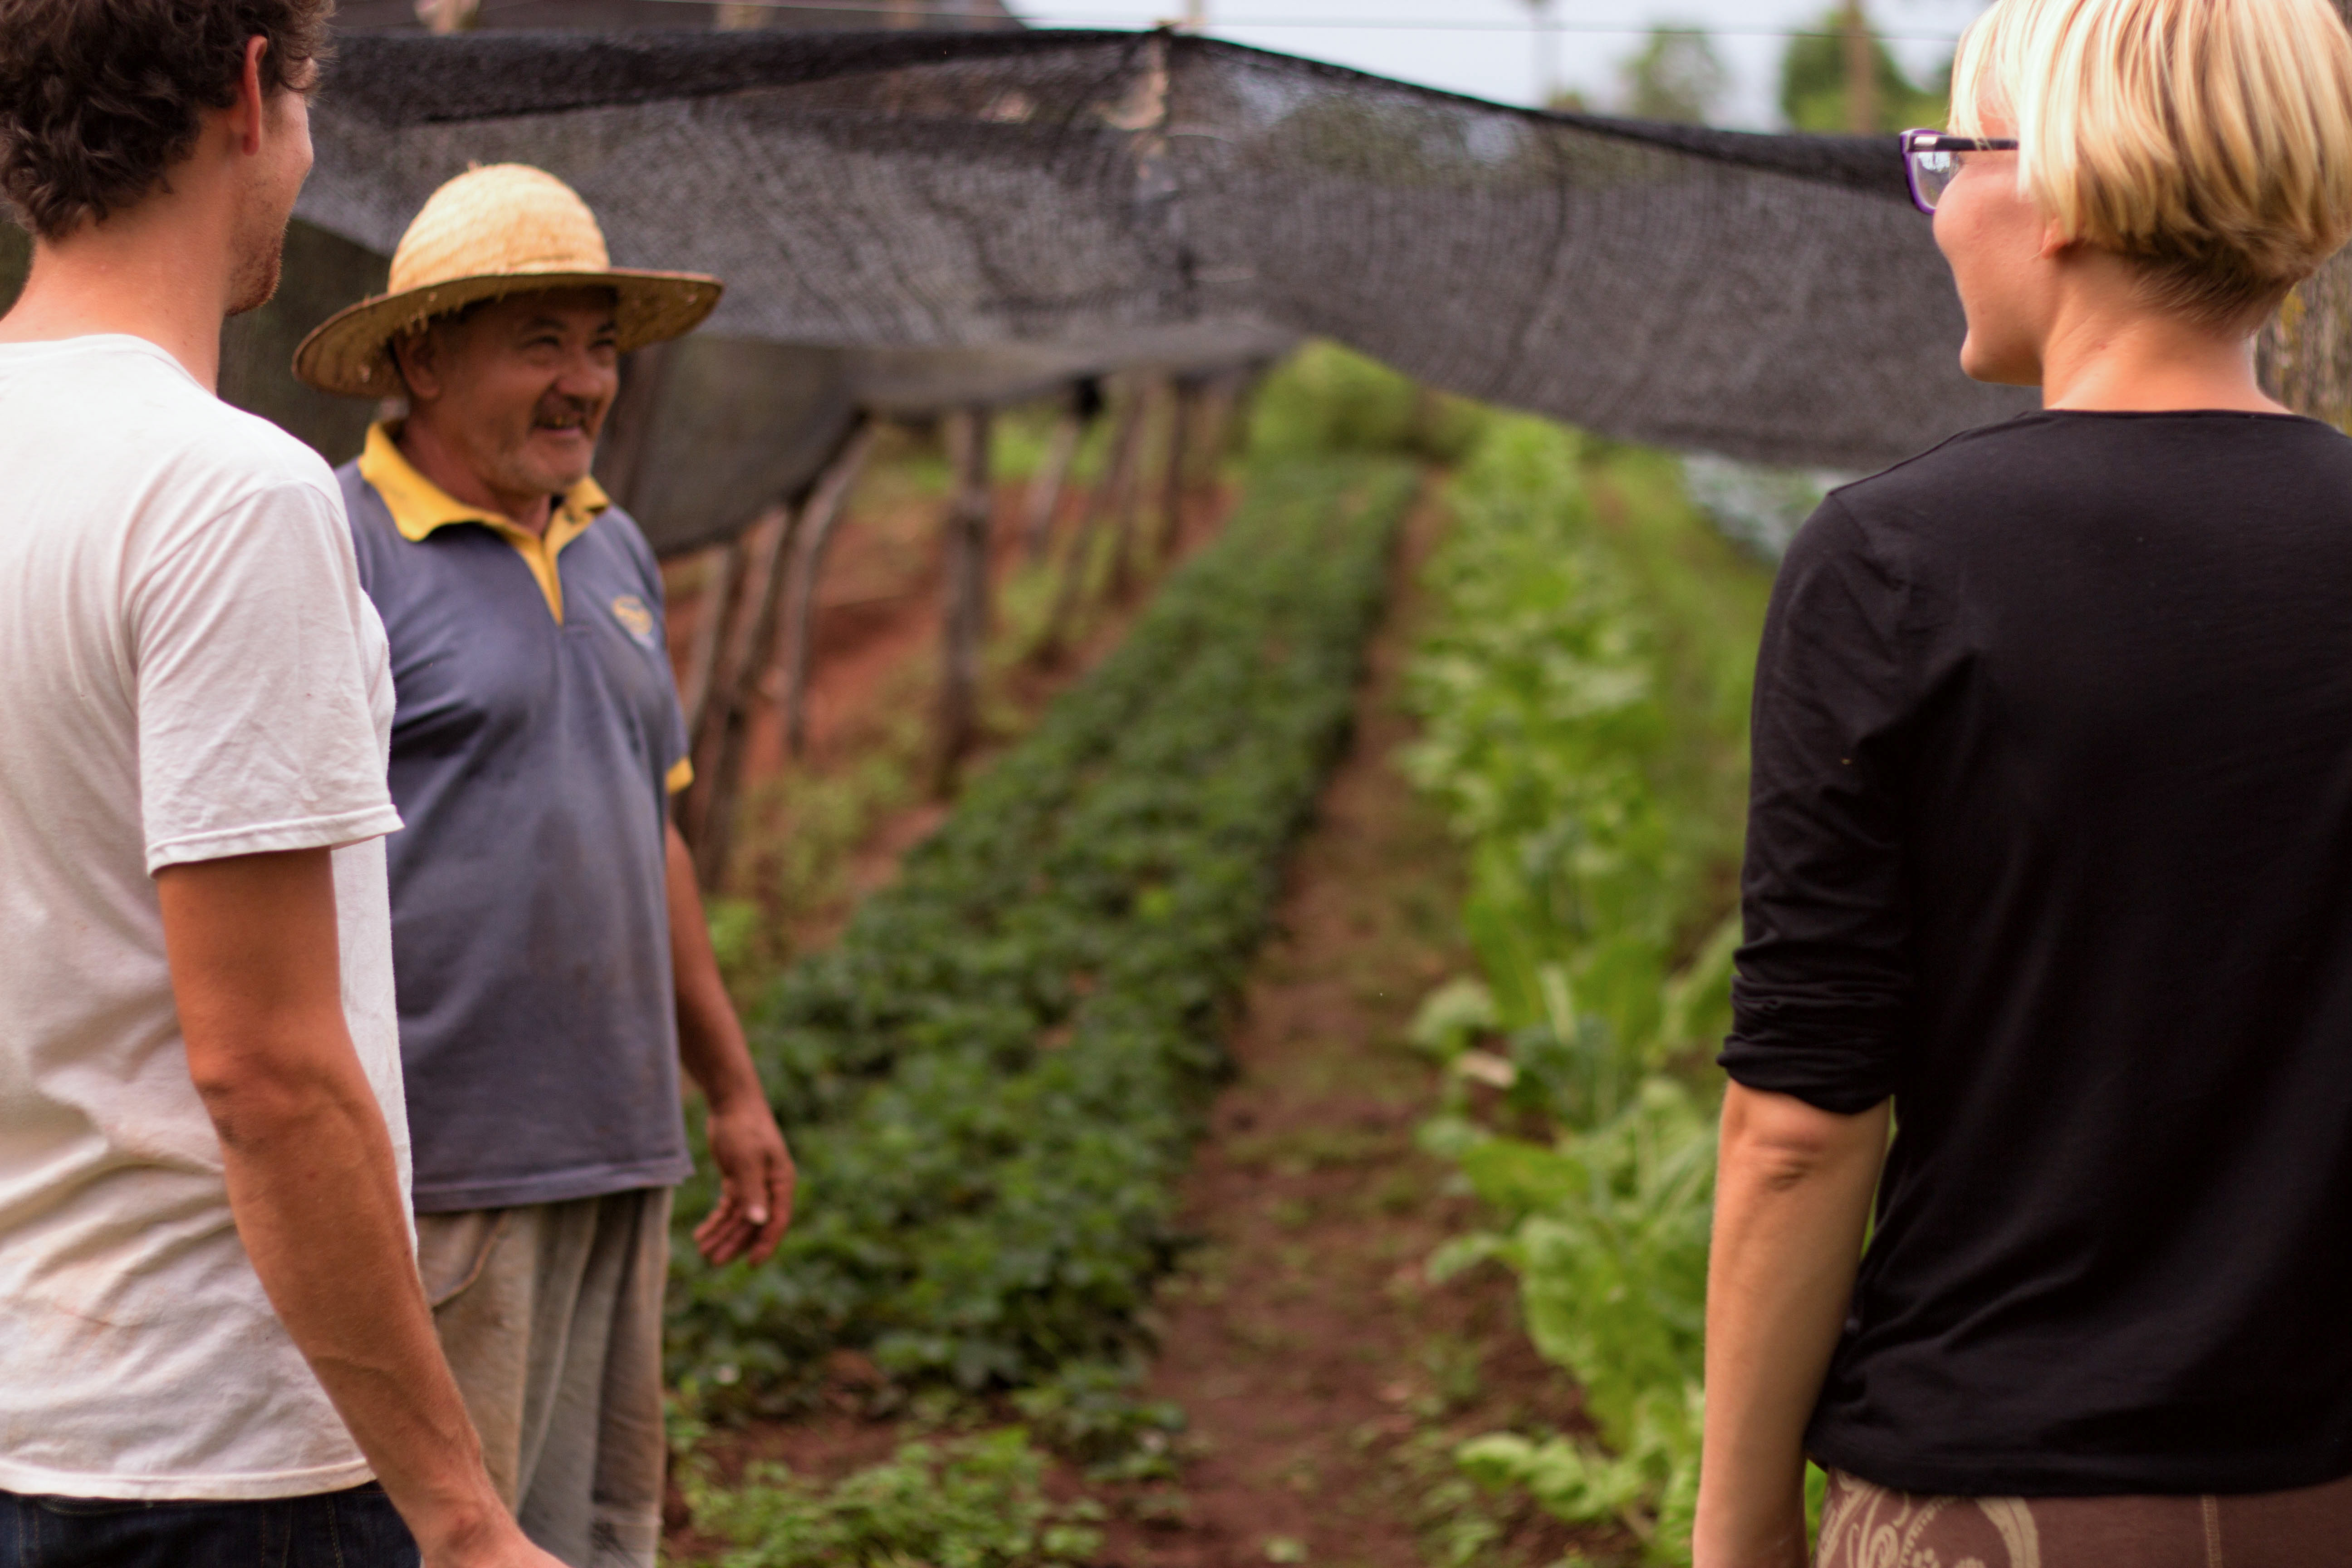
1780,1142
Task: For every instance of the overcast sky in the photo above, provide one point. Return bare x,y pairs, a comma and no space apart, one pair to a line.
1487,48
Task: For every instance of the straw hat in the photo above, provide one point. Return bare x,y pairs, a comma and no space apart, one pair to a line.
507,228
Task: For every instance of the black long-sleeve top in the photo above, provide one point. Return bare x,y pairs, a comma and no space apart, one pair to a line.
2050,840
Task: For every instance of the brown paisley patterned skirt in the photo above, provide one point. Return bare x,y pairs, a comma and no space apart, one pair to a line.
1867,1526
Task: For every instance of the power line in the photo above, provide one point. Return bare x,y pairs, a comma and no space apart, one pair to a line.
902,14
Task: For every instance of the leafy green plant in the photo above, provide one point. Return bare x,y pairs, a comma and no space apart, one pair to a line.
1326,400
970,1503
1090,1413
1583,699
1607,1231
992,1082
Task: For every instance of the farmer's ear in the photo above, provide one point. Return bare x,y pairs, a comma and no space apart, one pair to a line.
416,355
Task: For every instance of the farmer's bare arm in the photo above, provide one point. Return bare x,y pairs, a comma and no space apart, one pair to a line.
755,1168
1792,1196
312,1180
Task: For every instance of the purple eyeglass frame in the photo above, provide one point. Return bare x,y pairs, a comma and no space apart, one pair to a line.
1943,141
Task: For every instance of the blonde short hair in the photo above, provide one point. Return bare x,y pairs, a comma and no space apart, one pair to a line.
2210,139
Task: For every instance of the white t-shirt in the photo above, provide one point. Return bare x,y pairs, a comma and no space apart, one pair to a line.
188,670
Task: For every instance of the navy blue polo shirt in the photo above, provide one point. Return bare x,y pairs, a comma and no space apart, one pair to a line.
536,737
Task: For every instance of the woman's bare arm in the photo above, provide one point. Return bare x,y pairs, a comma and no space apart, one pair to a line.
1792,1196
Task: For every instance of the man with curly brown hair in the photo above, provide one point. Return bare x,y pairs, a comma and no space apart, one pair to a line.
217,1346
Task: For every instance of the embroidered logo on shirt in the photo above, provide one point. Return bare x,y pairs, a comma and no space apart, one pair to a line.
635,618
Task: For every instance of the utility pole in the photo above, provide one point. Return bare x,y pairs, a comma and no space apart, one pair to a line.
1860,71
1547,43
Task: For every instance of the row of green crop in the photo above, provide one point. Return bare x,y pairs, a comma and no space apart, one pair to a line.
994,1079
1583,697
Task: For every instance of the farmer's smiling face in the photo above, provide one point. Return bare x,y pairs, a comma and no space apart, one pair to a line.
518,388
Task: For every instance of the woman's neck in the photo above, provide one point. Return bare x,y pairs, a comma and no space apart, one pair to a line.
2106,350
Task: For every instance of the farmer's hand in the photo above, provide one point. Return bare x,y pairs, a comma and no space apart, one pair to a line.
755,1169
755,1182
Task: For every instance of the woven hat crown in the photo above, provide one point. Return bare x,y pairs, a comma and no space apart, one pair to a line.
501,220
503,229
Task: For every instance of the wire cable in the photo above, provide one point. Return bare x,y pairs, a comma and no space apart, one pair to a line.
913,18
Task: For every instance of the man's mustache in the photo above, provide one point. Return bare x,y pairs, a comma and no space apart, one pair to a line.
564,413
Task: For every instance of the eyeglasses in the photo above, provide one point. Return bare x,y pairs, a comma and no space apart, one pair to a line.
1931,160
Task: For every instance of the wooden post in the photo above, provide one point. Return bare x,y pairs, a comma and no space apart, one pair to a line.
710,808
1127,484
965,591
714,610
2305,351
1218,395
1052,474
1183,392
713,681
828,504
1078,557
753,648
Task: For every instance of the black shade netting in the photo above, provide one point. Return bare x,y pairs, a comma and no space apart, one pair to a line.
969,216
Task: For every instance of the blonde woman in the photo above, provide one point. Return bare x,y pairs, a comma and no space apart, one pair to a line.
2050,866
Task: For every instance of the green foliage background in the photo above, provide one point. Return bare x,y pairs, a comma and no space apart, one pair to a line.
1812,84
996,1079
992,1082
1583,697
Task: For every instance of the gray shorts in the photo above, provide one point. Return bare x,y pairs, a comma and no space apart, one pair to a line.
550,1316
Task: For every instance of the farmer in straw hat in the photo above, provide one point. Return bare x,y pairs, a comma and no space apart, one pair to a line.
552,964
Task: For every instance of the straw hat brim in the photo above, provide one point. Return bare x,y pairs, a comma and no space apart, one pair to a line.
349,352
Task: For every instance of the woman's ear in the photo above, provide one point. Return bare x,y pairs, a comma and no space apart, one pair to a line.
2054,242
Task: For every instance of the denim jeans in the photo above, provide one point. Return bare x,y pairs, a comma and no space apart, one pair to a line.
355,1529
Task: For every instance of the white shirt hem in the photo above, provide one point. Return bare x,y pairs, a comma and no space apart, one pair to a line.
31,1481
304,832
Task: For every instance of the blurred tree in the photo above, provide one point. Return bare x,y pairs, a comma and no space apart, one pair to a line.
1677,76
1813,82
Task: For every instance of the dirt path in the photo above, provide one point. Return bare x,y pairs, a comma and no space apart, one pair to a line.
1326,1378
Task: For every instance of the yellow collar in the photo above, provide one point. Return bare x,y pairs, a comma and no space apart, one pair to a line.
418,506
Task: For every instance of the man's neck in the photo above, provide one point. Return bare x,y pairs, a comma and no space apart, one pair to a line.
142,272
431,454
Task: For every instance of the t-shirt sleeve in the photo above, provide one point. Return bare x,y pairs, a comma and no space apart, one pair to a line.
255,678
1824,978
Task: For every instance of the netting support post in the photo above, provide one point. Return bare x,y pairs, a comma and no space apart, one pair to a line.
2303,354
1053,476
1126,483
707,814
751,652
828,505
715,608
1183,402
1077,556
965,590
